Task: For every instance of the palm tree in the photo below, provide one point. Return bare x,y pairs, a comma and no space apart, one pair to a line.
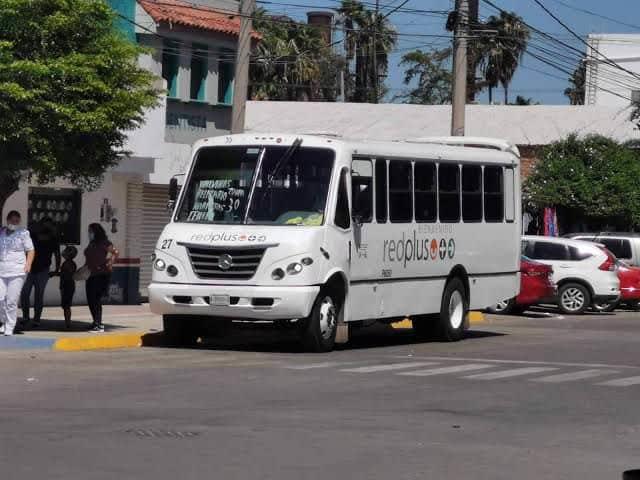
370,38
576,91
502,50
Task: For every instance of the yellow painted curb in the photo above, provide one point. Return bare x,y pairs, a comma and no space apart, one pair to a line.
474,317
99,342
403,324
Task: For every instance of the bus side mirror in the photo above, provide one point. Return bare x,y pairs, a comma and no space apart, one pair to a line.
173,189
357,220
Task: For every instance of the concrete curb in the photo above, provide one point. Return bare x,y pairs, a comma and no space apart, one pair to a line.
474,319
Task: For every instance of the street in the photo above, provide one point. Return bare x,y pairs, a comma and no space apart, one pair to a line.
537,397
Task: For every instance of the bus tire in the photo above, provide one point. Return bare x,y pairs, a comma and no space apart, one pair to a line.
454,308
320,327
180,330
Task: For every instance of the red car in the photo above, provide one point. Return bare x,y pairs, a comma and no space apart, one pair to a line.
536,286
629,289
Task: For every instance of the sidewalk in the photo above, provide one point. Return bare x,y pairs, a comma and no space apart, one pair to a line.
125,326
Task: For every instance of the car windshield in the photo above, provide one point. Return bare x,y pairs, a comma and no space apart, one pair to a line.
258,185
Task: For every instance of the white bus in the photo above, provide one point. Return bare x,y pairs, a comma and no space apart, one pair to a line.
319,232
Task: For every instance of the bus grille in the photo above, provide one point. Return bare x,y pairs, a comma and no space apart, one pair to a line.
227,263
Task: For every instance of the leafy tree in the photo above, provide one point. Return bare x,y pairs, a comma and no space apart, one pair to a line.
433,76
595,178
364,29
292,62
70,89
575,91
502,50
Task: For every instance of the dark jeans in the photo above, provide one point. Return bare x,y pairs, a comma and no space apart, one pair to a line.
38,282
96,287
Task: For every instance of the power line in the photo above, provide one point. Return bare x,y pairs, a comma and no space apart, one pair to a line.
598,15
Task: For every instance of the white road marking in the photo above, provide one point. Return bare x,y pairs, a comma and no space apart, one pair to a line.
388,367
311,366
469,367
621,382
573,376
514,372
520,362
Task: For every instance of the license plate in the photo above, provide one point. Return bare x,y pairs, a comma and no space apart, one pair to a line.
220,300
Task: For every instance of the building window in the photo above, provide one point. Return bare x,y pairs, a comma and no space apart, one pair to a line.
171,66
425,192
225,77
471,193
199,70
400,191
62,206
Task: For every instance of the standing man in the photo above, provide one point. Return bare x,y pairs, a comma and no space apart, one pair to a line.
45,240
16,257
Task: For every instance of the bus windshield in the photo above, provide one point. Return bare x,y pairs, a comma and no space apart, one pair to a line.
258,185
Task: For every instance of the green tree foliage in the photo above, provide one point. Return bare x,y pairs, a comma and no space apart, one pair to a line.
292,62
501,50
595,177
364,29
70,89
433,74
575,91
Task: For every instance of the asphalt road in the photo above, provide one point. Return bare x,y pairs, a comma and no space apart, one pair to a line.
522,398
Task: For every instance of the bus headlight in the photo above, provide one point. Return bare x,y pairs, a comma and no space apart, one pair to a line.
306,261
294,268
172,270
159,265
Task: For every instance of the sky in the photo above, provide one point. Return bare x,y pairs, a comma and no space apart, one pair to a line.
527,82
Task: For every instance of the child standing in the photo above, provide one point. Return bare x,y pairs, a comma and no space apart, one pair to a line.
67,283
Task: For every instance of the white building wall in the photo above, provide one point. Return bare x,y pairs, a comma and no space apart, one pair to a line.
607,85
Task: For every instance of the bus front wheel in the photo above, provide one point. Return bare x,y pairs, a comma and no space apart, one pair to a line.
320,327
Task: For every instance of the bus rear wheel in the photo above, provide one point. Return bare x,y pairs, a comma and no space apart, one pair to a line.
454,308
181,330
320,327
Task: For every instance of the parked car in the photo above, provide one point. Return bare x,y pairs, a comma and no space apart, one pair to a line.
625,246
536,286
629,289
584,272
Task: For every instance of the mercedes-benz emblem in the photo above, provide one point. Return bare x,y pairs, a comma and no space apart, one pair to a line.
225,262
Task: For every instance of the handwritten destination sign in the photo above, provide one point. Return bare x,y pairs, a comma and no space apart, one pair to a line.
216,197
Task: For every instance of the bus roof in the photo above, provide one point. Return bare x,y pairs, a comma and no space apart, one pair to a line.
465,149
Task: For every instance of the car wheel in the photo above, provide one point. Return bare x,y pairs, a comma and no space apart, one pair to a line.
633,305
505,307
320,327
574,298
605,306
181,330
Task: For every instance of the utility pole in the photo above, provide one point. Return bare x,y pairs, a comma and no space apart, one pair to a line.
460,67
243,57
376,88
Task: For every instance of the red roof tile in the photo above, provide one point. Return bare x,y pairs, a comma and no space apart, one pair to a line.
189,15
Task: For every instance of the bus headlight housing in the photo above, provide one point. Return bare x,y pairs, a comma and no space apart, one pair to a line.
159,265
294,268
277,274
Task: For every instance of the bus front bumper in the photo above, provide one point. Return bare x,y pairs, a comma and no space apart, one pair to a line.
232,301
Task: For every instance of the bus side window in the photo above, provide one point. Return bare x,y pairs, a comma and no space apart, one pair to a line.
449,192
381,191
425,187
342,218
400,191
493,195
362,190
509,194
471,193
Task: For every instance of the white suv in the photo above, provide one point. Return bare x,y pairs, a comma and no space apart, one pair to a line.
584,272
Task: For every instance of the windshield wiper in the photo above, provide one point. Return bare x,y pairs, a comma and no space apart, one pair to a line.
283,160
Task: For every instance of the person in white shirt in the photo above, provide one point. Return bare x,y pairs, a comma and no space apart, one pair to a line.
16,257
